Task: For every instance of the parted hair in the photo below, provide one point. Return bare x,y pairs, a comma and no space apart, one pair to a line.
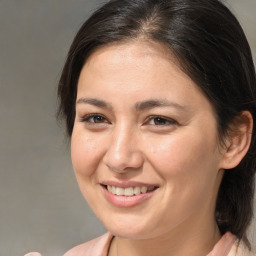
211,48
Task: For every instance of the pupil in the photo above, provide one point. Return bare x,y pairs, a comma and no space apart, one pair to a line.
159,120
97,119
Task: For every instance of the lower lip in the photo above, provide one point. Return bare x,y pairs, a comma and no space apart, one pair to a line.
127,201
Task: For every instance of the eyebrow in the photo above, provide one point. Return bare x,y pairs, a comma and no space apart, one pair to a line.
153,103
139,106
95,102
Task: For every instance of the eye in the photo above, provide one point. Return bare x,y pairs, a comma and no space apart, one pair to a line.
160,121
94,119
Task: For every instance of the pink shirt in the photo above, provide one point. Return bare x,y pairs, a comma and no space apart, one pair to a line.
227,246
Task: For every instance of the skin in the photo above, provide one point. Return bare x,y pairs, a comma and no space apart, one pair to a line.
179,153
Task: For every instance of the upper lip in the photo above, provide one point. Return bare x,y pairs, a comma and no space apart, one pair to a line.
127,184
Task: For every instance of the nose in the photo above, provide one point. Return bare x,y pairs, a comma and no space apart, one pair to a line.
123,153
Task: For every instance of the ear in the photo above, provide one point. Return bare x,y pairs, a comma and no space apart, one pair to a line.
238,142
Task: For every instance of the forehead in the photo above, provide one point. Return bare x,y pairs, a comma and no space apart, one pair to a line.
128,50
132,63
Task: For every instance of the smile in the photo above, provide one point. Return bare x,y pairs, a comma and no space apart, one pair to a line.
130,191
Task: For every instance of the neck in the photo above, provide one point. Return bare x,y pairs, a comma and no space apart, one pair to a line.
193,242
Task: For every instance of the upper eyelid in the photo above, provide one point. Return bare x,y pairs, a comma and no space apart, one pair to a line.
162,117
88,116
92,114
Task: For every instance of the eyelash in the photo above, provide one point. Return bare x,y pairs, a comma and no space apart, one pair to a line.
88,117
164,121
167,121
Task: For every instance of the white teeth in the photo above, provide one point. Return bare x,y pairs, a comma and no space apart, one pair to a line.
136,190
119,191
143,189
130,191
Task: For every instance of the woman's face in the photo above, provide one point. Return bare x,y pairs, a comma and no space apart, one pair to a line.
144,146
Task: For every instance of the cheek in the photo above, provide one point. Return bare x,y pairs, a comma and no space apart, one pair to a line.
85,153
189,170
185,157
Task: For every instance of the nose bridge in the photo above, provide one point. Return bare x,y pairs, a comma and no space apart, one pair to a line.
123,151
120,140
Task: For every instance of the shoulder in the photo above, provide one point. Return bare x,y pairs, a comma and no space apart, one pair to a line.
240,249
229,245
96,247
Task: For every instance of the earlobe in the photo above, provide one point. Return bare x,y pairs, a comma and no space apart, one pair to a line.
239,141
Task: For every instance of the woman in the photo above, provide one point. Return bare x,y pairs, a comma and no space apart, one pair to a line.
159,98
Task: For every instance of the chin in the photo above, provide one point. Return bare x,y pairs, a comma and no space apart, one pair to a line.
132,229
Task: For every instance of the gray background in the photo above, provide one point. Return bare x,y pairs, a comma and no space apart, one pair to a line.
41,208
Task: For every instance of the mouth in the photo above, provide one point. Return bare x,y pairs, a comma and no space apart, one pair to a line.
127,194
129,191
